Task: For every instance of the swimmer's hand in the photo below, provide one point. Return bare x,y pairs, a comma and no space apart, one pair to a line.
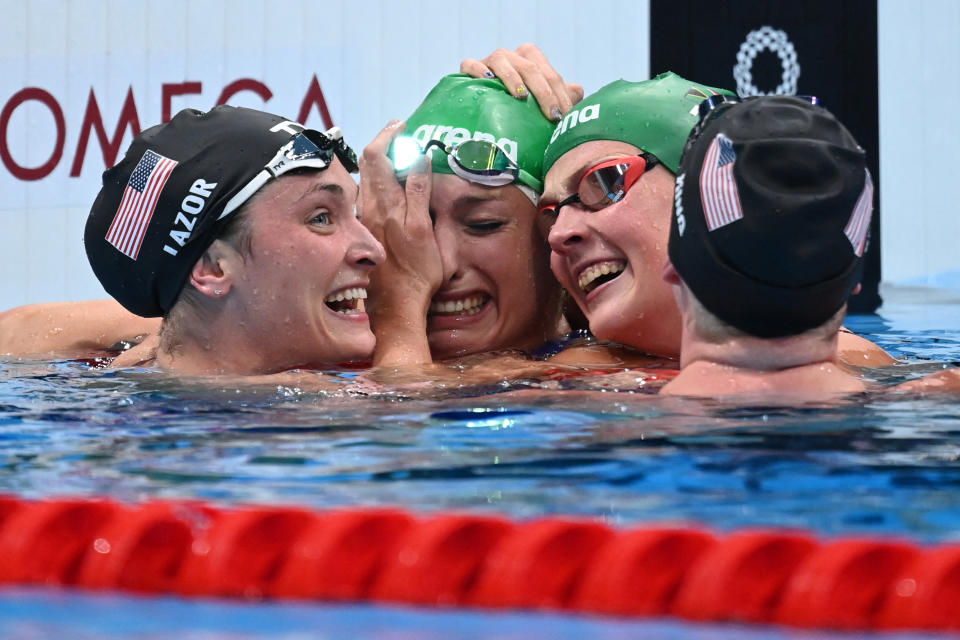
528,70
399,217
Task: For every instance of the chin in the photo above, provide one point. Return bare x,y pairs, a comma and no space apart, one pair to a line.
364,348
358,349
606,328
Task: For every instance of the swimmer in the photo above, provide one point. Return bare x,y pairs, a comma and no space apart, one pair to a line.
772,211
771,220
609,237
489,249
481,280
246,243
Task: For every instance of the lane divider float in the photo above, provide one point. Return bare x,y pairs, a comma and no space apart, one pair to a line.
456,560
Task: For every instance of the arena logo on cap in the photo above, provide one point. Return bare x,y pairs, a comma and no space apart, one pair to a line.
451,136
678,203
590,112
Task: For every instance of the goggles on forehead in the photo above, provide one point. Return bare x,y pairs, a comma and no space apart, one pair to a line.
606,183
479,161
716,104
310,149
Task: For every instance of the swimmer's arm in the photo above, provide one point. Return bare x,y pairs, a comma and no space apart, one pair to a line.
527,69
946,381
860,352
604,354
70,328
400,342
401,287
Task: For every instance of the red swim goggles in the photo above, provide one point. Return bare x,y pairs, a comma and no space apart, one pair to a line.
606,183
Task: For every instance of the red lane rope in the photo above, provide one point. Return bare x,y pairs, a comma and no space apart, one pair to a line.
771,577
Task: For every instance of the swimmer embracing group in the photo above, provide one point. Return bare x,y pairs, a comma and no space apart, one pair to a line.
674,219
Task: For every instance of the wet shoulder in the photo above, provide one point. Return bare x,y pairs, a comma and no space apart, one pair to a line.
860,352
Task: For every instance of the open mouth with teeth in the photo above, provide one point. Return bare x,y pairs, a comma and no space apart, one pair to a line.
347,301
599,273
468,306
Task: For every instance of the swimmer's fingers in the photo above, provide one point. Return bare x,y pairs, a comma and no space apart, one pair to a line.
527,71
417,217
418,226
567,94
475,68
516,72
380,193
378,148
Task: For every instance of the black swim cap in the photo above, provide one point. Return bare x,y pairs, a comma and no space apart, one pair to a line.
771,213
163,205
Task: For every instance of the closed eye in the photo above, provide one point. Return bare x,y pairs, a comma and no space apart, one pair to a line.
485,227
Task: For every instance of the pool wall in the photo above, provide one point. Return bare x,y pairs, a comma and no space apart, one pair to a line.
76,77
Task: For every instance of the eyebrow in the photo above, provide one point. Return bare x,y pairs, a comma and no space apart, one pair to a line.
470,200
329,187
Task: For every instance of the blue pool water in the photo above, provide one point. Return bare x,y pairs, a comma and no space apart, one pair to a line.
883,465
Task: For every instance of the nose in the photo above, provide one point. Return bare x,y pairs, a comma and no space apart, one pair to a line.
365,250
569,229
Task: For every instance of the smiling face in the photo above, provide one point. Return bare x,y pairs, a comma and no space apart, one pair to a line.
308,268
497,291
611,261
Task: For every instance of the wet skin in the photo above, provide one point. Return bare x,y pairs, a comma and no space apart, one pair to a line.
308,248
631,303
497,290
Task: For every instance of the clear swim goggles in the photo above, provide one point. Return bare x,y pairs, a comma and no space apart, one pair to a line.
606,183
309,148
479,161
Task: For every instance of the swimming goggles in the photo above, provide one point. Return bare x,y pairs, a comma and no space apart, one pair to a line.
606,183
479,161
715,104
309,148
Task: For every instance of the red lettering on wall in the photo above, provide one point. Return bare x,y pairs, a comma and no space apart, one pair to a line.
128,119
245,84
38,173
315,97
168,90
93,120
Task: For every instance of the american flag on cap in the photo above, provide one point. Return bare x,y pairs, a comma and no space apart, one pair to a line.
138,203
718,187
859,223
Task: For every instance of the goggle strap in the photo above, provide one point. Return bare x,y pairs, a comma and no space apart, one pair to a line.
268,173
531,182
245,193
532,195
634,173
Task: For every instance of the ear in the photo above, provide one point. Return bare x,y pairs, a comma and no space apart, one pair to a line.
213,274
670,274
856,289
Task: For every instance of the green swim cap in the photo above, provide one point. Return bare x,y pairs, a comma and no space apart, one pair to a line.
655,115
463,108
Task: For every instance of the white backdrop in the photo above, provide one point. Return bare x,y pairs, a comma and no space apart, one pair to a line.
919,57
374,61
